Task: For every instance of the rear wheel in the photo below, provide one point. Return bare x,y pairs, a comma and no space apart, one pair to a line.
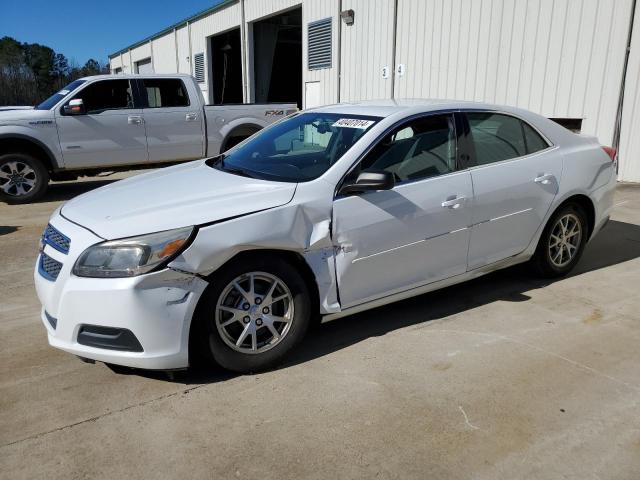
23,178
254,313
562,242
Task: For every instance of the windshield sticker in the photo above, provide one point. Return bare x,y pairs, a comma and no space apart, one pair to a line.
353,123
63,92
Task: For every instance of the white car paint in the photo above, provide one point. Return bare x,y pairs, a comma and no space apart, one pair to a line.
364,250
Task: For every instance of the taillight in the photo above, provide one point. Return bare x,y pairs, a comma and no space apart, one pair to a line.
611,152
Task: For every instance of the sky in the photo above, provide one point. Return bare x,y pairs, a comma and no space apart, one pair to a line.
91,29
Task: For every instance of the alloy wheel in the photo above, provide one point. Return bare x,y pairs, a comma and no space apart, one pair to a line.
17,178
565,238
254,312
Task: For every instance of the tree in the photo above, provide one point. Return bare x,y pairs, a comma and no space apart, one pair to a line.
30,72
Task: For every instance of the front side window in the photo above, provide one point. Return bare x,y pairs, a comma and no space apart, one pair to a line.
422,148
106,95
297,149
165,92
498,137
50,102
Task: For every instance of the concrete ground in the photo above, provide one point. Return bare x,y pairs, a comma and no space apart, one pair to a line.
505,377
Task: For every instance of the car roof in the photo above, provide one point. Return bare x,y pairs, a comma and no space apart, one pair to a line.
112,76
385,108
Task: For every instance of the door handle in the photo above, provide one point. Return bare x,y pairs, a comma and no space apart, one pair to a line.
134,120
454,202
544,179
190,117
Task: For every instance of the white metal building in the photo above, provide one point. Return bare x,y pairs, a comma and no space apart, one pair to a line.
577,61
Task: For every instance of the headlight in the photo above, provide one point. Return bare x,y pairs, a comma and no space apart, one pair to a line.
131,256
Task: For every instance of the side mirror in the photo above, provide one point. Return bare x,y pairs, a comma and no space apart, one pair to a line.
369,181
75,107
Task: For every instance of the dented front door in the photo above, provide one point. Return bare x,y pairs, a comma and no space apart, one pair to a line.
394,240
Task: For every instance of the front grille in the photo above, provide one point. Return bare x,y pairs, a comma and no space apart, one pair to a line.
48,267
57,240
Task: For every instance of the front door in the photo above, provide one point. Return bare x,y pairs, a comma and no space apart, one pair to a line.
515,179
174,126
111,133
416,233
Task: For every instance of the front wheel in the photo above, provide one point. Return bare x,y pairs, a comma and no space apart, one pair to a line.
254,313
23,178
562,242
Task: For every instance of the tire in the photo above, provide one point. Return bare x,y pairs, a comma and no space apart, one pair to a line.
31,175
222,316
557,242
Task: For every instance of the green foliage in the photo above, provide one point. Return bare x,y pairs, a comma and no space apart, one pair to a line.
30,72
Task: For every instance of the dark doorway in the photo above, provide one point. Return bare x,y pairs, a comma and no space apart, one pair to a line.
226,64
277,58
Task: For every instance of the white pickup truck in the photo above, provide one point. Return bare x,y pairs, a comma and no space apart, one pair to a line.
107,123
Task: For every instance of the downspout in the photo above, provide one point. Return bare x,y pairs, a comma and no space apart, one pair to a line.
175,43
191,72
153,68
339,48
243,51
393,52
618,124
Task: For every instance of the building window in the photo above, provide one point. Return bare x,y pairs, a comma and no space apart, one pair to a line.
319,41
198,64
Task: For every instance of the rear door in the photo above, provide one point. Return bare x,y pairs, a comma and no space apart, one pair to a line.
110,133
515,174
173,123
417,233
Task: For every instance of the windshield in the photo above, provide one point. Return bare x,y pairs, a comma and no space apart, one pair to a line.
298,149
56,97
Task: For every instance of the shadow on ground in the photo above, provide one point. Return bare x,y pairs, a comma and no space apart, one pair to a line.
619,242
65,191
7,229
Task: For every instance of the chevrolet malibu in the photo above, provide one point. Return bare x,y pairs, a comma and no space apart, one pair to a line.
327,213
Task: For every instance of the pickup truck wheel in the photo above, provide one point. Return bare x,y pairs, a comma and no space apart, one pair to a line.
23,178
254,313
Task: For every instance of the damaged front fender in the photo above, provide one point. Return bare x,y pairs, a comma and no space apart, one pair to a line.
300,227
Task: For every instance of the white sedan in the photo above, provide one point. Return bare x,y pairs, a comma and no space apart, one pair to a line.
329,212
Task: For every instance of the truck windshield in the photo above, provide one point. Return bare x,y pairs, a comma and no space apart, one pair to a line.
56,97
298,149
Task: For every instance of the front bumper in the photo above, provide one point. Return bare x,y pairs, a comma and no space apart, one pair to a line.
156,308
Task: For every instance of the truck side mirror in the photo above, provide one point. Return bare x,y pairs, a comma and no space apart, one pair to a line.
75,107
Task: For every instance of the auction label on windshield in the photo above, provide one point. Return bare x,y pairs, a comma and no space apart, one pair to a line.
353,123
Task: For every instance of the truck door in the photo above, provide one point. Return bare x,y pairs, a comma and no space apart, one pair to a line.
108,131
173,123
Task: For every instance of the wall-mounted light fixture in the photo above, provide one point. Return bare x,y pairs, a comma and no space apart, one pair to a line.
347,16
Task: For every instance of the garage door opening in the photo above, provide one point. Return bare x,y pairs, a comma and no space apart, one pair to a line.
277,58
226,68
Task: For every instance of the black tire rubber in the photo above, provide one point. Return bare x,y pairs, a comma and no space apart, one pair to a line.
541,262
42,178
211,346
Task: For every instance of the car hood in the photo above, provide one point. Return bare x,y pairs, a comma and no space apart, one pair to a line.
173,197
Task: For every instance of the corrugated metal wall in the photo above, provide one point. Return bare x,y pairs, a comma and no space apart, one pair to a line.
629,151
326,78
257,9
367,47
560,58
164,54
